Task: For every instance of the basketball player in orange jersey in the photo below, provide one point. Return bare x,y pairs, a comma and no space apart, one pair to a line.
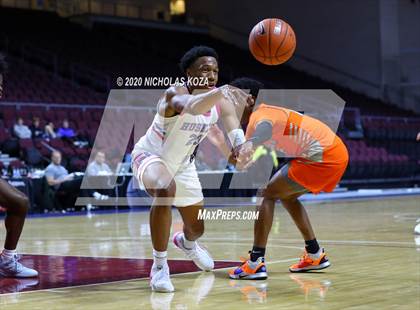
16,205
320,160
163,159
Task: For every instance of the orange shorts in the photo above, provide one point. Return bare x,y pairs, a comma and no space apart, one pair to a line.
321,176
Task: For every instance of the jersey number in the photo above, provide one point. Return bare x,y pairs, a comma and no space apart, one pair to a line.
194,139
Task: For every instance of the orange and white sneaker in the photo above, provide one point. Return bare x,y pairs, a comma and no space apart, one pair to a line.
250,270
311,262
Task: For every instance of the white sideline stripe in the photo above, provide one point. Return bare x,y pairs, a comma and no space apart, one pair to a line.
215,270
307,198
232,241
126,257
321,241
250,244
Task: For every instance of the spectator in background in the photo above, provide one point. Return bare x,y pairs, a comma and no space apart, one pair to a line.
65,131
418,137
55,172
49,132
36,129
98,166
20,130
200,161
58,177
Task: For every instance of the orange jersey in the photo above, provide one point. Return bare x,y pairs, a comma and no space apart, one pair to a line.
311,142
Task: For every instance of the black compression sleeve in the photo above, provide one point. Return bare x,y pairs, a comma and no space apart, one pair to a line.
263,132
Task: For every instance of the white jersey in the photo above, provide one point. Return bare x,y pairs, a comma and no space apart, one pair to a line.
174,139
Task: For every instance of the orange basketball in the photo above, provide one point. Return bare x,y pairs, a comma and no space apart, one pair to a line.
272,41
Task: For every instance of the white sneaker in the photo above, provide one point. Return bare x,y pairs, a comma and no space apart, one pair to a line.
99,196
160,280
11,268
198,255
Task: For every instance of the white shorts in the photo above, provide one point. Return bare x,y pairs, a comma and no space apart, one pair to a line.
188,187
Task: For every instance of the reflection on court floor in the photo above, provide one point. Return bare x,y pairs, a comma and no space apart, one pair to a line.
65,271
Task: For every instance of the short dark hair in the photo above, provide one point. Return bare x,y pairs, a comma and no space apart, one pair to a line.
3,64
247,83
193,54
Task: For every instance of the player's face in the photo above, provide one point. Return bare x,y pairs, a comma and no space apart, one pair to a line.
205,67
1,85
248,110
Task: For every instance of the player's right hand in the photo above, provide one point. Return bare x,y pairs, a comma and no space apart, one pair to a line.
243,155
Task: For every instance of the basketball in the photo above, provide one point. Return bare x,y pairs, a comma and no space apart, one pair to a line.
272,41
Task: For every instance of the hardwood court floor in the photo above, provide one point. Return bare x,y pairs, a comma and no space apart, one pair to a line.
375,262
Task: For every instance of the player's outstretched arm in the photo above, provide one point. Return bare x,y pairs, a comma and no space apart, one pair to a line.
182,102
241,154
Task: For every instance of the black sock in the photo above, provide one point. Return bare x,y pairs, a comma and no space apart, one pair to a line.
256,253
311,246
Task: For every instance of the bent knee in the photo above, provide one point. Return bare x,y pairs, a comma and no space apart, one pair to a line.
288,199
271,193
20,204
164,189
196,229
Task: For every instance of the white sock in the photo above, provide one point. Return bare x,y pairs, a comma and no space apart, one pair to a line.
8,254
252,264
160,258
189,245
317,254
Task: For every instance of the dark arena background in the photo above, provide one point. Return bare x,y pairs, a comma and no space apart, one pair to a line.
67,148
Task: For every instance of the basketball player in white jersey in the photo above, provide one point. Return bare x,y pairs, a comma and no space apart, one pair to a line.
163,159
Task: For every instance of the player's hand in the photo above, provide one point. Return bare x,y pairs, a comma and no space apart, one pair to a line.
235,95
243,154
250,102
418,137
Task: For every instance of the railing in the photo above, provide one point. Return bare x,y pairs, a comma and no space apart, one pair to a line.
393,118
47,106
